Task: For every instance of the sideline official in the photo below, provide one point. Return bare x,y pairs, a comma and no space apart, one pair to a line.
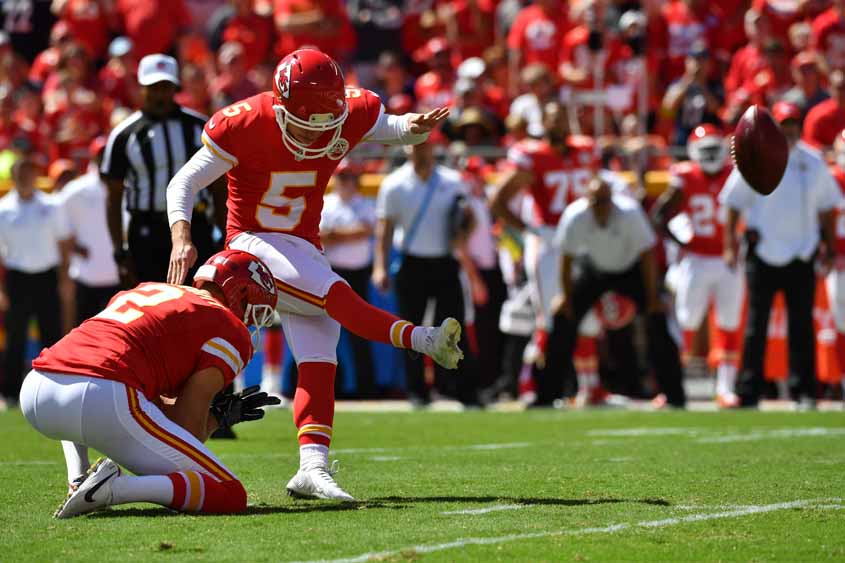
611,239
782,235
142,154
34,246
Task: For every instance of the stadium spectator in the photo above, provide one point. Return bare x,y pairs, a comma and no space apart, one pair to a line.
748,60
435,88
827,118
323,24
232,82
468,25
611,240
34,250
25,24
807,92
828,36
414,209
89,22
153,25
682,25
780,255
536,36
696,97
92,266
47,60
391,78
346,232
141,156
194,94
378,23
529,106
238,22
117,78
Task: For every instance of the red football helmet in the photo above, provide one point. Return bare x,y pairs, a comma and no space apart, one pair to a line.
246,282
707,147
839,149
309,92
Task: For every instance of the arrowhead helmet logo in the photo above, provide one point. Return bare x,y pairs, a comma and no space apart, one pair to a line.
283,78
262,277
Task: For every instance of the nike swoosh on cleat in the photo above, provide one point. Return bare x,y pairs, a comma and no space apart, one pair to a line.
89,496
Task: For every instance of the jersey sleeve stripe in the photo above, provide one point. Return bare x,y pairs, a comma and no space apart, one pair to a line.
149,425
215,148
215,348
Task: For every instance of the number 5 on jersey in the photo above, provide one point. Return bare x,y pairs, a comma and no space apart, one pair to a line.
278,212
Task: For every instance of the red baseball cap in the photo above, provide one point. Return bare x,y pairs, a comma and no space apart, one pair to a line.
783,111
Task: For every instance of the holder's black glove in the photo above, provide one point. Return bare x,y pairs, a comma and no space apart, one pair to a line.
232,408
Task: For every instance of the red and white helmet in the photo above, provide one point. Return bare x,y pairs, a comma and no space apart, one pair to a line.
246,282
309,92
707,147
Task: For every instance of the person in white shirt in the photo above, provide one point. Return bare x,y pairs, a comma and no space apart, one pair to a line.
92,265
612,241
782,235
346,232
414,206
34,246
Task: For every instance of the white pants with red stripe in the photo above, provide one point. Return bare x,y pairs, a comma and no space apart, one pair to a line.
835,283
700,280
117,421
303,277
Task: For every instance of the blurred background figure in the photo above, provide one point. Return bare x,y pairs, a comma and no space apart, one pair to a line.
35,242
346,232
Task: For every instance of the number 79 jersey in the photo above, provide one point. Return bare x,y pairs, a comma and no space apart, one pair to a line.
558,179
153,338
700,202
269,189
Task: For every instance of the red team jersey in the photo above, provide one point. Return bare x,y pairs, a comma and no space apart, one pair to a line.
269,190
701,204
153,338
558,179
839,175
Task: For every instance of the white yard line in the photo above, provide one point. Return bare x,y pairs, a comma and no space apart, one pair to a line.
784,433
494,508
31,462
464,542
638,432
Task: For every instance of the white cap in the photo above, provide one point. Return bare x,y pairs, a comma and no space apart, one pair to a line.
472,68
158,68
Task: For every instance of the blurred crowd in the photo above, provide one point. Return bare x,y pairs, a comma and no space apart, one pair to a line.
635,77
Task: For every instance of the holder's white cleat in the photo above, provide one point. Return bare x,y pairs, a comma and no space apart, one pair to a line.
94,493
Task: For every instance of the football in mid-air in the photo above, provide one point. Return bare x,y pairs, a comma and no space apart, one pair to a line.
759,149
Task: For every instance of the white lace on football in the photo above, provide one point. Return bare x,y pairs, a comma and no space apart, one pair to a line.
283,117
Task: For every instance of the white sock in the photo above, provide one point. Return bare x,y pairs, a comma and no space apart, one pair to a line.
76,458
157,489
418,341
587,381
725,378
313,455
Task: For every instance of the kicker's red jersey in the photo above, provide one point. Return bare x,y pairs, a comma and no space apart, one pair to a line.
153,338
701,203
559,179
269,190
839,175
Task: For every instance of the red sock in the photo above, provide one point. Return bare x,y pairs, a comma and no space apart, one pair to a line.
585,356
313,404
197,492
371,323
689,340
272,338
840,351
728,342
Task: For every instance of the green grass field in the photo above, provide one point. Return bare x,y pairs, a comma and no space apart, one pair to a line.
533,486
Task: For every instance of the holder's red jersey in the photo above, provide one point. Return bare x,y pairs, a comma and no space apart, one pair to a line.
269,190
559,179
701,203
839,175
153,338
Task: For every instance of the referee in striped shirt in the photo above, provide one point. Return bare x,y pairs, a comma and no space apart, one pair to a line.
142,155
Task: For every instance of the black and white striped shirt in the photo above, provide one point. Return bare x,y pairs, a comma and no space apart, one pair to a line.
145,153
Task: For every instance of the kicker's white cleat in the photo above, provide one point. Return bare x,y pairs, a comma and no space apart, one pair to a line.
94,493
441,344
317,482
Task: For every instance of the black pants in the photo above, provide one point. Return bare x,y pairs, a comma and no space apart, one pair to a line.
359,281
490,338
149,243
418,280
587,288
798,282
91,299
29,294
